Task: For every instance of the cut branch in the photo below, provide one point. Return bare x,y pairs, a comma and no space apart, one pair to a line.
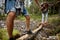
26,36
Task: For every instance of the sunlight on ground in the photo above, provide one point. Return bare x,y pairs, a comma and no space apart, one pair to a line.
4,35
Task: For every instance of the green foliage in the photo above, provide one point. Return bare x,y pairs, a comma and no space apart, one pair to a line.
34,9
15,32
4,35
21,18
0,34
3,16
56,24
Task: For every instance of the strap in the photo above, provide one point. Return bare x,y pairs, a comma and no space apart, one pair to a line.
5,6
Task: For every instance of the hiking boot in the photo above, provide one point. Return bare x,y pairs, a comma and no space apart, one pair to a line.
15,37
28,32
12,38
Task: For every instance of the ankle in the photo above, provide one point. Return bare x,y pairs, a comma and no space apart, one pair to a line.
29,32
28,29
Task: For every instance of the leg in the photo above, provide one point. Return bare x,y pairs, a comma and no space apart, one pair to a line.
10,23
28,31
10,9
43,19
25,12
27,22
46,17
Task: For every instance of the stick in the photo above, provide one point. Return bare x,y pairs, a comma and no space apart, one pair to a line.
27,35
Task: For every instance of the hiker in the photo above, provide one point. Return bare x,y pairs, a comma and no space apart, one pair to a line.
13,8
44,9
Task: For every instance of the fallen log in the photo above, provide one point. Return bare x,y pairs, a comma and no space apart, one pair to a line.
26,36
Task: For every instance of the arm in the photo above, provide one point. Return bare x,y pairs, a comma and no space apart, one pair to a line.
37,2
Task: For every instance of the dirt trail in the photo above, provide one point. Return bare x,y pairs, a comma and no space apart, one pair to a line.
45,33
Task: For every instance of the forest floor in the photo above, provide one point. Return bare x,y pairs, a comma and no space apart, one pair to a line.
52,29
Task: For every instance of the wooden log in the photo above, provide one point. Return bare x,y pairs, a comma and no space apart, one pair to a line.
27,35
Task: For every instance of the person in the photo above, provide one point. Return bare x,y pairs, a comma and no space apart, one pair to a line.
44,9
12,8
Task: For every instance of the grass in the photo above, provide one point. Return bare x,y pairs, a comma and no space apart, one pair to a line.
4,35
53,18
35,17
32,17
20,18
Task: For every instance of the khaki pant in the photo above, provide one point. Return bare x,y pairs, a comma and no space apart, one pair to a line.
44,17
